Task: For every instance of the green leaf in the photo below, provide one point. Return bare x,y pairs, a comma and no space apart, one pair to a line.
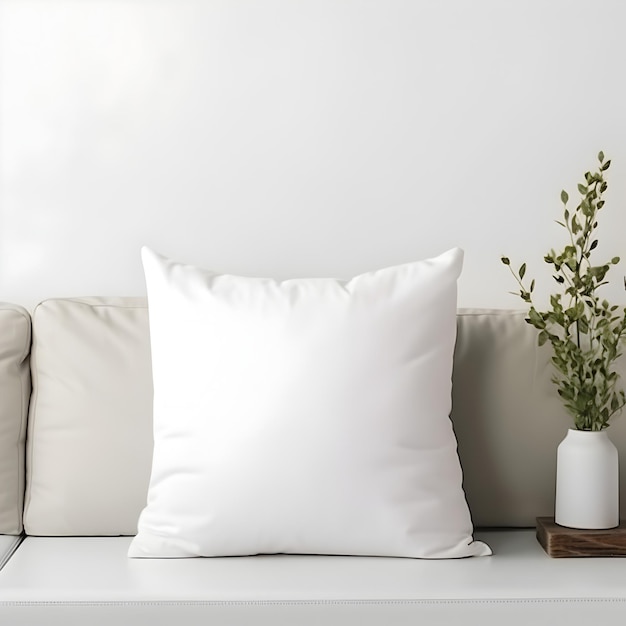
522,270
535,319
565,393
606,165
585,334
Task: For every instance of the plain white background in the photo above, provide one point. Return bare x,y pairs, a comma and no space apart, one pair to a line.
301,137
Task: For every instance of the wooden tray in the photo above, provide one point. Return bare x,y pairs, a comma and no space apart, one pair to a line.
559,541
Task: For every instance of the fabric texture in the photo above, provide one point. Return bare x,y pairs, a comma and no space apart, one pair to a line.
89,447
304,416
15,336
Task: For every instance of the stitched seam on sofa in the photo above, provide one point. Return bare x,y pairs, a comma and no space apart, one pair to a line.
92,305
117,306
107,305
270,603
468,312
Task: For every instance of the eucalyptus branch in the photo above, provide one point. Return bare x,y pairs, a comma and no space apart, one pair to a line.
585,375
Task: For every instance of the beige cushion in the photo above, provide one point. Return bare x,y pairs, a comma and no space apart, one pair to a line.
90,434
90,428
509,419
14,393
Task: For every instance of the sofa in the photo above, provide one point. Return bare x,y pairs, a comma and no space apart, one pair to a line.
75,459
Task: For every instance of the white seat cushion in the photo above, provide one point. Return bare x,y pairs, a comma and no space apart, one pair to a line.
8,544
90,580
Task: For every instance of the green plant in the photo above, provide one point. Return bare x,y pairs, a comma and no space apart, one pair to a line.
585,331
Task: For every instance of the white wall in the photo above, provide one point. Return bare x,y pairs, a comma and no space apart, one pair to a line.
301,137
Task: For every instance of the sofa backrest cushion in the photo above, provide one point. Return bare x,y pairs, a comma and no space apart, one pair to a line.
14,395
89,446
509,419
90,426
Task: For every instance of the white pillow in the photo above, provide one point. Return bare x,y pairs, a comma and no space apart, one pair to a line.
304,416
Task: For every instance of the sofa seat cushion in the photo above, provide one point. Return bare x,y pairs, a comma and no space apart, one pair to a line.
90,580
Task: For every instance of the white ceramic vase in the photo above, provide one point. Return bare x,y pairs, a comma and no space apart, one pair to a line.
587,481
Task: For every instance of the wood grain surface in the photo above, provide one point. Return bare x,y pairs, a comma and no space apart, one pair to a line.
559,541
